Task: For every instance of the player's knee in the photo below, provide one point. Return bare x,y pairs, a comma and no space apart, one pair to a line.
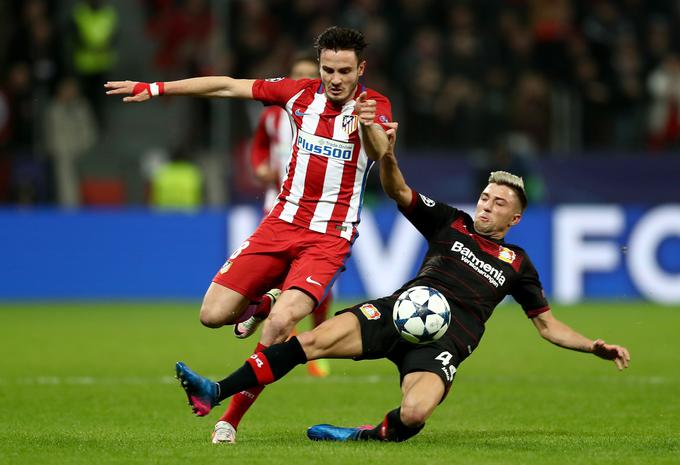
413,414
280,324
210,316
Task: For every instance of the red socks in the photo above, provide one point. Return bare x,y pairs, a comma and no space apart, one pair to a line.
263,308
241,402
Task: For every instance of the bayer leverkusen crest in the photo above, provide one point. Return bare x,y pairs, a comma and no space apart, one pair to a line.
350,123
507,255
370,312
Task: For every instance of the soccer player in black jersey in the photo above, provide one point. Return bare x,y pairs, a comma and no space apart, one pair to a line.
467,261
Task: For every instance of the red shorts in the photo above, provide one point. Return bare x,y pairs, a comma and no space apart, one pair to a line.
283,252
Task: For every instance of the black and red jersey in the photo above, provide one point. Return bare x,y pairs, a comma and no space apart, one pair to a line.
473,271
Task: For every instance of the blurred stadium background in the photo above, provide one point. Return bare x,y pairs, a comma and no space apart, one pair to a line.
581,98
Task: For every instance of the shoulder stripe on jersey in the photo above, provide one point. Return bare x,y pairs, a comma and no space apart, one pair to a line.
286,186
310,122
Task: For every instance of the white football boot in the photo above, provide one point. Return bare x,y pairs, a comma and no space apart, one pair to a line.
224,433
248,327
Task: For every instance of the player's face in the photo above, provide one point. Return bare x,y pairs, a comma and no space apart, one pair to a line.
340,72
497,211
305,70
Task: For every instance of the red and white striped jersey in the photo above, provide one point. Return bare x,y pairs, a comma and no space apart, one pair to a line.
272,145
326,173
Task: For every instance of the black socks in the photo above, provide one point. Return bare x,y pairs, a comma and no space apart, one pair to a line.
391,429
263,368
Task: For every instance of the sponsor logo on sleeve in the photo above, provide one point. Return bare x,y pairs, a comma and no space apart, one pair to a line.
370,311
383,119
427,201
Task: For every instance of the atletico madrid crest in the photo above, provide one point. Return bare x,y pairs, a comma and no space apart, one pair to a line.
226,266
350,123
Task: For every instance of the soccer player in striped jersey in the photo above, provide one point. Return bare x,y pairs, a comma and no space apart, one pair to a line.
470,264
338,130
269,156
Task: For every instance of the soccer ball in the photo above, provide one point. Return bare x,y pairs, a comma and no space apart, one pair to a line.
421,314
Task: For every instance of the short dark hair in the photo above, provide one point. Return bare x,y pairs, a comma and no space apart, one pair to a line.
340,38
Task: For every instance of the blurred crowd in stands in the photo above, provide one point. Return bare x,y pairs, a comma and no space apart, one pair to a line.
515,78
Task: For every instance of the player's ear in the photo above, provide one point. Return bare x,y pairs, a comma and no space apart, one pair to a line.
516,218
362,67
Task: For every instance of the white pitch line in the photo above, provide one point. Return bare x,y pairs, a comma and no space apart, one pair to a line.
46,380
99,380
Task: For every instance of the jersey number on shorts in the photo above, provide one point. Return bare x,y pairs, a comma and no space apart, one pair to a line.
448,369
238,251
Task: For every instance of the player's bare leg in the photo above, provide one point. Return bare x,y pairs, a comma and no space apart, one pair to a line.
222,306
291,307
337,337
320,368
422,391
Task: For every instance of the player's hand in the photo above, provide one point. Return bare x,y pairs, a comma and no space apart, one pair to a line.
365,108
392,135
606,351
137,90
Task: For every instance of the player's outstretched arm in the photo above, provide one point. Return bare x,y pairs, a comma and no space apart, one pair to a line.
391,178
208,86
557,332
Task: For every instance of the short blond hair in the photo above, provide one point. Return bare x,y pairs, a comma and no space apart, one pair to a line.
514,182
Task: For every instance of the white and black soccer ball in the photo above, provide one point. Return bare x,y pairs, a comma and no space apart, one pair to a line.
421,314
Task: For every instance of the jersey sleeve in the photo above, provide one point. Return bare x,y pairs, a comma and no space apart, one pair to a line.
261,147
427,215
277,91
528,292
383,110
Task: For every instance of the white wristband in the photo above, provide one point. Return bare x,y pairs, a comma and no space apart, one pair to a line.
155,91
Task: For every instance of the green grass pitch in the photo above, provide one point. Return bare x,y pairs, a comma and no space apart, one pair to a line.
93,384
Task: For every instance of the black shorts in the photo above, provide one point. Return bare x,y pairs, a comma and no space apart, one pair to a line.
380,339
